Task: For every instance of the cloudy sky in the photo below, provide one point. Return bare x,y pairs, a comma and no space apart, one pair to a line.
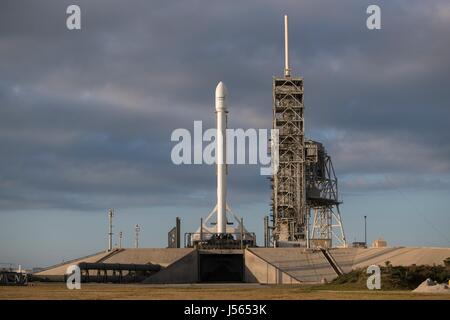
86,116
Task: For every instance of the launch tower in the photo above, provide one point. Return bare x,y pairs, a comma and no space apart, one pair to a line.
305,180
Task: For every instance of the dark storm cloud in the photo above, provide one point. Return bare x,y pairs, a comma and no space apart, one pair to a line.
86,116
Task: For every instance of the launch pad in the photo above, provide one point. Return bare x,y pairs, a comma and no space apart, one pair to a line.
250,265
296,249
222,249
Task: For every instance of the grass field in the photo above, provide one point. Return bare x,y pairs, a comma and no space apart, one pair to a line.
213,292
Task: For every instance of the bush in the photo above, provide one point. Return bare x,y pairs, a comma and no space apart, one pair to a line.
397,277
447,262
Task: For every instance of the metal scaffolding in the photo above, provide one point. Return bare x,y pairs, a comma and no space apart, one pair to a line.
288,199
305,180
322,198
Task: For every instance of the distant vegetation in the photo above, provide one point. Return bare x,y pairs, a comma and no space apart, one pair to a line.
447,262
396,277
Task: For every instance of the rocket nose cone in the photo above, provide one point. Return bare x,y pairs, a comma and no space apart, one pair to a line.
221,90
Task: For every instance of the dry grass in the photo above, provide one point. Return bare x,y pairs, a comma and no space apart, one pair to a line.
219,292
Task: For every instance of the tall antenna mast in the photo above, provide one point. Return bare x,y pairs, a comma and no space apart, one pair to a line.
110,233
287,70
137,229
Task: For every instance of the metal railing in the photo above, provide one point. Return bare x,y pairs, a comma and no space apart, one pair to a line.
214,240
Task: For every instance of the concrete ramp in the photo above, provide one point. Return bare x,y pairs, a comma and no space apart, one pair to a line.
294,264
161,256
354,258
183,270
157,256
263,265
421,256
258,270
344,257
56,272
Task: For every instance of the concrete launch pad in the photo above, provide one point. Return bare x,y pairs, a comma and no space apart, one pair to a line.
301,232
252,265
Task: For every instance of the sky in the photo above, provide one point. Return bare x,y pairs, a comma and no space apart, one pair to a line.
86,116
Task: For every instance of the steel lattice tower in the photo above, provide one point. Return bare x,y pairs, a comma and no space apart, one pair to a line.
289,193
322,198
305,180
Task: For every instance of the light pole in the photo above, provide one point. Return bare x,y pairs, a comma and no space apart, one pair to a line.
365,231
137,229
110,233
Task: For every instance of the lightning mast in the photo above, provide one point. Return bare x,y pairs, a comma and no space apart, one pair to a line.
110,233
305,180
288,184
137,229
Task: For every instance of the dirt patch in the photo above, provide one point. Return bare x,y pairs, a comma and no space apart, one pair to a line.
58,291
430,286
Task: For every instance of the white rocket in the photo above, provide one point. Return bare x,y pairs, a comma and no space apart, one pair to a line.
222,211
221,156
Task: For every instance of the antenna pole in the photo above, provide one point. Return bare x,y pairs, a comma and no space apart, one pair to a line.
287,70
365,231
110,233
137,229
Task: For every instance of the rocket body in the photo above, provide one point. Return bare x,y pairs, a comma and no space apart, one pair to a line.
221,115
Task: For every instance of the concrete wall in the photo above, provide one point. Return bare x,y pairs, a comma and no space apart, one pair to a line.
264,265
258,270
184,270
304,265
161,256
60,269
353,258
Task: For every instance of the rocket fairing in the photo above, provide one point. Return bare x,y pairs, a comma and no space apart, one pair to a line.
221,147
